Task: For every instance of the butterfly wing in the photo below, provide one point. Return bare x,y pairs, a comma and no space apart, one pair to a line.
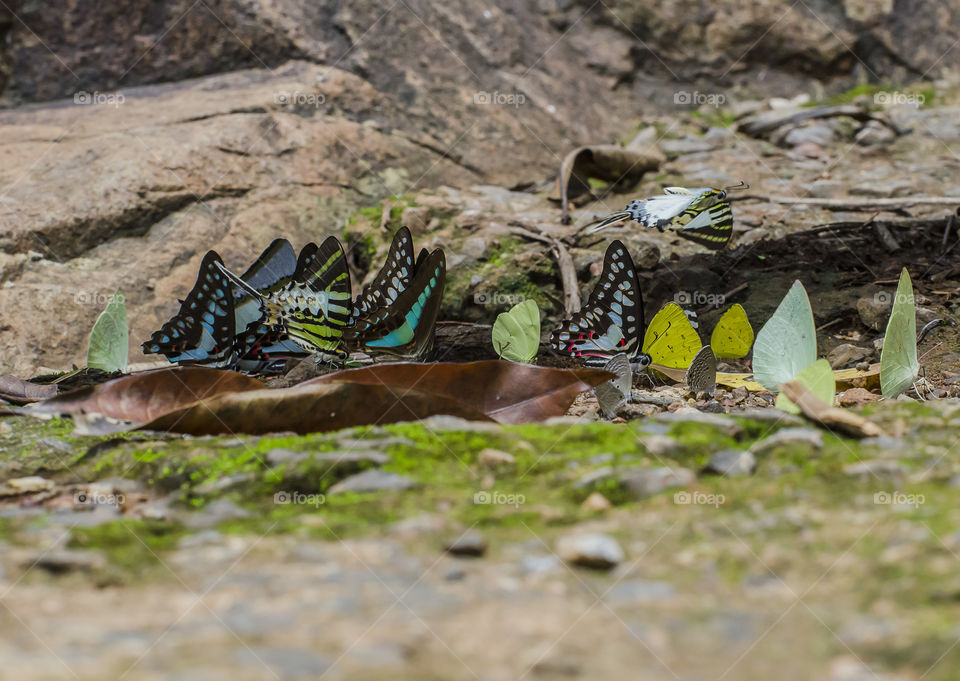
732,337
711,227
787,342
702,373
611,320
898,357
315,306
406,329
614,393
516,333
272,270
203,331
391,280
670,340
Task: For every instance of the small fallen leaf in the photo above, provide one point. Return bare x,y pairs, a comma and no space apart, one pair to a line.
608,162
18,391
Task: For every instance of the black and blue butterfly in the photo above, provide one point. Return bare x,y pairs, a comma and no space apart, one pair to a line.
395,316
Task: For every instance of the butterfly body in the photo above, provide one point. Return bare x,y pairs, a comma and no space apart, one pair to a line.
702,215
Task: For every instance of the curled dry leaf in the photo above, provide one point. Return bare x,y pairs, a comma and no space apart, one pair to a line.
148,395
505,391
609,162
18,391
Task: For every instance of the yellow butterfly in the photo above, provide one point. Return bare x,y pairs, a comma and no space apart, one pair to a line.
732,337
670,339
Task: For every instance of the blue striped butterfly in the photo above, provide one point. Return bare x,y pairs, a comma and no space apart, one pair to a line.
203,331
314,306
611,322
263,348
701,215
405,328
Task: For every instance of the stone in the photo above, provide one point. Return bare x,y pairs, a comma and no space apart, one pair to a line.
494,458
594,550
373,480
874,133
724,423
659,445
28,485
731,462
811,437
475,247
855,397
846,354
471,543
821,135
874,310
596,502
591,478
645,482
873,469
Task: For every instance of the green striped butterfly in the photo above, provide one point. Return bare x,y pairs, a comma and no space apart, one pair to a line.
701,215
405,328
314,306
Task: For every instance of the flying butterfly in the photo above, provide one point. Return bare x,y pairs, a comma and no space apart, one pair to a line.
701,215
314,306
612,322
203,330
405,328
732,337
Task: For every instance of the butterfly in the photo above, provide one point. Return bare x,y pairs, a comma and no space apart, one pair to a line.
263,348
702,373
612,321
203,330
311,309
614,393
516,333
899,365
701,215
392,279
732,337
787,343
404,328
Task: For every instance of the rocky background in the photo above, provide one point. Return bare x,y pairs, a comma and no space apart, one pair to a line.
135,139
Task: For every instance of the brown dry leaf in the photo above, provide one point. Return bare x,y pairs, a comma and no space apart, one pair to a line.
830,417
18,391
609,162
148,395
507,392
310,407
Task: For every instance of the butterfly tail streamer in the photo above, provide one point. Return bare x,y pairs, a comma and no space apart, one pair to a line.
238,282
609,220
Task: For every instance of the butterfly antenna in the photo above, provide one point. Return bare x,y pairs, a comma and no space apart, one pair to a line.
609,220
237,281
737,187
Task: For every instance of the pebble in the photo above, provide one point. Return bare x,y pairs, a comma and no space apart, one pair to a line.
373,480
471,543
854,397
598,551
659,445
805,436
645,482
494,458
596,502
874,311
731,462
846,354
28,485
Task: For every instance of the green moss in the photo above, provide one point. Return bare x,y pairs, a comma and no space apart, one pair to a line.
135,547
